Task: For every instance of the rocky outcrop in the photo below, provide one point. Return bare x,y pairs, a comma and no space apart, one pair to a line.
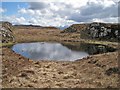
95,30
103,31
6,32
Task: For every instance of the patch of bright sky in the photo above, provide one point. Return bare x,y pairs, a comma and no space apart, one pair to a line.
13,7
12,0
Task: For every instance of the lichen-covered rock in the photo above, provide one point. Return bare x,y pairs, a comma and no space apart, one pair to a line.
103,31
6,32
96,30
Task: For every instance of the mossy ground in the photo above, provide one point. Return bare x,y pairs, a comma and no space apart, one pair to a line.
6,44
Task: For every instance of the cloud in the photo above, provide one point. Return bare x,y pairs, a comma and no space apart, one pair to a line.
67,12
14,19
2,10
38,6
52,15
26,11
20,20
96,10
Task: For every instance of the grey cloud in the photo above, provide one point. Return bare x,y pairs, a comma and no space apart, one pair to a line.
119,8
87,13
62,13
37,5
92,10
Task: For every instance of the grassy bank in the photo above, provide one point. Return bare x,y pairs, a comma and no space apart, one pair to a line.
6,44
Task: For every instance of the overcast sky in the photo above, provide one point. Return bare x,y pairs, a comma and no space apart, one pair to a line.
59,13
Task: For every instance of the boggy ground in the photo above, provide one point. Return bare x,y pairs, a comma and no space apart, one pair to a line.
95,71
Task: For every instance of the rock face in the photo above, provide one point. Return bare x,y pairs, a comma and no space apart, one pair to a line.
99,31
103,31
6,32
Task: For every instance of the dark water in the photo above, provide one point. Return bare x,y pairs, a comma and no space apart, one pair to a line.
56,51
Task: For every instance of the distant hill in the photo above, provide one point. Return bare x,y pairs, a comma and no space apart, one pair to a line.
75,28
62,28
33,27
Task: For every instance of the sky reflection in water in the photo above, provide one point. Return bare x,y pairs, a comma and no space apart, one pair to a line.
48,51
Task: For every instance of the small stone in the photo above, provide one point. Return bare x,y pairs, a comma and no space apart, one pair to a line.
29,71
67,76
34,81
22,75
36,63
59,84
44,73
60,72
30,85
47,66
10,81
65,64
114,70
53,76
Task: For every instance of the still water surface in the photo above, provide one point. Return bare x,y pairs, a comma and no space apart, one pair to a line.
48,51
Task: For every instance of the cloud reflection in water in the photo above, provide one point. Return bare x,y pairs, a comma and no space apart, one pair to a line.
48,51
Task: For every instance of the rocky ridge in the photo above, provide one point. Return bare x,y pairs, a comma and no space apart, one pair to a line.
96,30
6,32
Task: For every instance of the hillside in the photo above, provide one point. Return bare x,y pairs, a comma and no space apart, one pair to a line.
75,28
95,30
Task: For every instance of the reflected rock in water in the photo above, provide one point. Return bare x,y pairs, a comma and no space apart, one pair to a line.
90,48
57,51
